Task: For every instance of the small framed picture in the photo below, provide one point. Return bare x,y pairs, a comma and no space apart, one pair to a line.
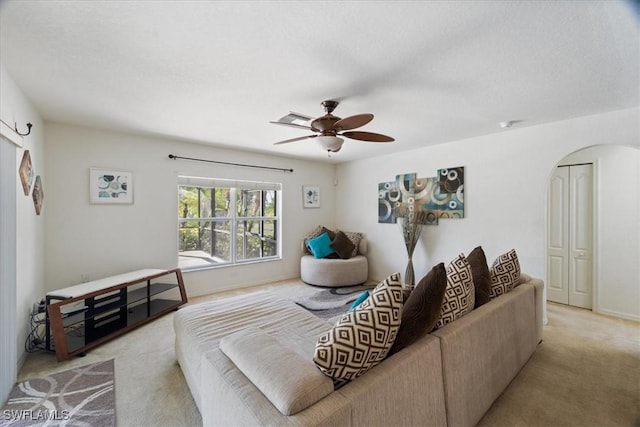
26,172
110,186
311,196
38,195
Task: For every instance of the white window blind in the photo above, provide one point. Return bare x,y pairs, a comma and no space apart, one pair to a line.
195,181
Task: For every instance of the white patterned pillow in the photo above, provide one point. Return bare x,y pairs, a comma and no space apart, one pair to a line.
362,338
505,273
459,297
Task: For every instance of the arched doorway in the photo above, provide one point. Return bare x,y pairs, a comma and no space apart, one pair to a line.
615,268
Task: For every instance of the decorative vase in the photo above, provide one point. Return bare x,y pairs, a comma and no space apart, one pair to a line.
411,229
409,278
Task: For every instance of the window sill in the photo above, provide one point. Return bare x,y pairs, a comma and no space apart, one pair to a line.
226,265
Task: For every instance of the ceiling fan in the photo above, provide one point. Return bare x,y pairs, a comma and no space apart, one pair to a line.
330,129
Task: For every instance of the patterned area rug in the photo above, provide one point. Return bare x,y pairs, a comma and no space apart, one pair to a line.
83,396
330,303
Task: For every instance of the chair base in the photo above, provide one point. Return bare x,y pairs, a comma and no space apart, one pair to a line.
334,272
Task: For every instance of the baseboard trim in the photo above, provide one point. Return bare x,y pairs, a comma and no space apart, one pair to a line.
619,314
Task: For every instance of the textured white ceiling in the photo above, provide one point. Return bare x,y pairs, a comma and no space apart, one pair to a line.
217,72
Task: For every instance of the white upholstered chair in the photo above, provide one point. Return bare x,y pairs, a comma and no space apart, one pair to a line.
335,272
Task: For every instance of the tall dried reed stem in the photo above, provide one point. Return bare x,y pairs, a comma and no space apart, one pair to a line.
411,227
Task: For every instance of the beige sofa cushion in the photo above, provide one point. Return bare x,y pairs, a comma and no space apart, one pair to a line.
200,327
289,381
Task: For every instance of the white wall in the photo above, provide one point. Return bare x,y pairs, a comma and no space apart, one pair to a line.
617,238
85,241
15,107
506,177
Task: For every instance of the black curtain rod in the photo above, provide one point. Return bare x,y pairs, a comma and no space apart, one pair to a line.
173,157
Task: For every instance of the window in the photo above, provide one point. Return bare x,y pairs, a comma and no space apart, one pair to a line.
222,222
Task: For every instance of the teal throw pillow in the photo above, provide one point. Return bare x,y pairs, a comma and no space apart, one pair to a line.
320,246
363,296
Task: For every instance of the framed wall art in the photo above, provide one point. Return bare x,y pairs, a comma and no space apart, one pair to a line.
26,172
38,195
110,186
440,197
311,196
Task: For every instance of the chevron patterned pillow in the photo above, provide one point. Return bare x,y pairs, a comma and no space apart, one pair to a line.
362,338
459,297
505,273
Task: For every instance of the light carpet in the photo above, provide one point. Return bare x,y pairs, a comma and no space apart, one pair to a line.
82,396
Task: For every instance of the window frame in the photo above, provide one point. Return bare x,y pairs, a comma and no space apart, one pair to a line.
237,223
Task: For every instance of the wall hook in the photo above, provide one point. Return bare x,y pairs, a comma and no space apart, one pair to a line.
15,127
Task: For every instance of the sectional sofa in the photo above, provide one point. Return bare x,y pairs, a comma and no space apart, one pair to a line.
248,361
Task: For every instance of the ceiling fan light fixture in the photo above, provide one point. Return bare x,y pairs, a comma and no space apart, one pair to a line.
330,143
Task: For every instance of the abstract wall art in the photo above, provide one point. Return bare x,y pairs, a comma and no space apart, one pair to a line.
26,172
110,186
436,197
38,195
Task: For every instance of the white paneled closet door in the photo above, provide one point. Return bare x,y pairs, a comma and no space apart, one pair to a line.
558,237
570,236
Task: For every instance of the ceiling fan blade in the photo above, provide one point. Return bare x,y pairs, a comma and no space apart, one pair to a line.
292,125
368,136
300,138
353,122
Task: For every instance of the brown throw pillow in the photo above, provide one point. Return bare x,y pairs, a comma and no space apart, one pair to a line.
355,239
422,309
331,233
481,276
342,245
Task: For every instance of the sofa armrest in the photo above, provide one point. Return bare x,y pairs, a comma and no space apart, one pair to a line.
404,389
484,350
290,382
538,286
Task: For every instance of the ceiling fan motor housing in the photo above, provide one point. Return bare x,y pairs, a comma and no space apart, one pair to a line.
325,124
330,129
